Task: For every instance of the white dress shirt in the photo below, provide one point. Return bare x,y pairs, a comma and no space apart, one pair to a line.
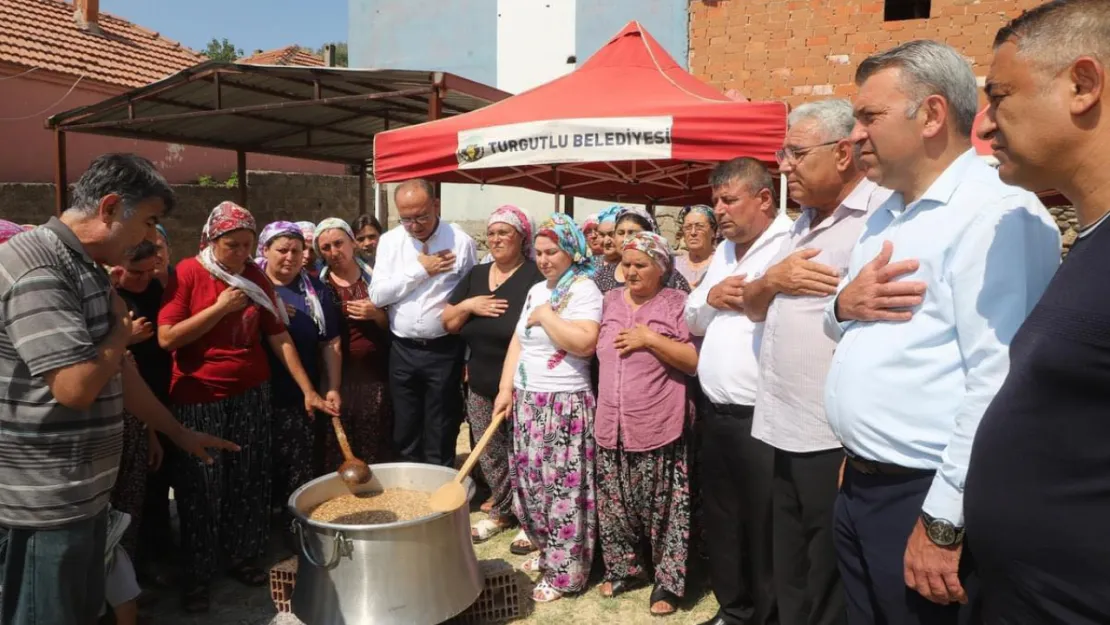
912,393
728,362
795,353
415,299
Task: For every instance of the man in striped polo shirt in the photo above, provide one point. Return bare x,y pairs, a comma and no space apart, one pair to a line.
65,383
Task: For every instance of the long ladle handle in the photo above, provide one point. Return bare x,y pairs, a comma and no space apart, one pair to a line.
480,447
341,436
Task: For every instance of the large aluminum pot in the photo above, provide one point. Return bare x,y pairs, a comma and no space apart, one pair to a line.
418,572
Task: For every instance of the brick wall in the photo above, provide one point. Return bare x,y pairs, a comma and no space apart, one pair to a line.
800,50
271,196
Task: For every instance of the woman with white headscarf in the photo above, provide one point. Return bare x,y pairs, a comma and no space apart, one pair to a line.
215,317
484,309
314,327
364,340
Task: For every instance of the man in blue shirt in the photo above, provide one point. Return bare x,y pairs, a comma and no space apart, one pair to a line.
1038,487
943,274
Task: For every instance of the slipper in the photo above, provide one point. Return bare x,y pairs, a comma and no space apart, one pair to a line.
521,546
545,593
662,602
531,566
622,586
486,529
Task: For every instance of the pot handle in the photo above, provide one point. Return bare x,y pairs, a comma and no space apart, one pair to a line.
340,547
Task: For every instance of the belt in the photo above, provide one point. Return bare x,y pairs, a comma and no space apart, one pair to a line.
732,410
439,341
872,467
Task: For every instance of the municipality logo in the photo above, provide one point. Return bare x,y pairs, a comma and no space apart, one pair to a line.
471,153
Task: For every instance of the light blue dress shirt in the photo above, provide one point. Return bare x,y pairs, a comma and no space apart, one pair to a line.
912,393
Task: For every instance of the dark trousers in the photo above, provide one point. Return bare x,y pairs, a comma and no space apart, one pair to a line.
874,517
736,473
425,379
807,581
54,576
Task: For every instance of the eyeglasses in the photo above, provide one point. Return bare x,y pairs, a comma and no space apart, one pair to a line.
795,155
419,219
692,228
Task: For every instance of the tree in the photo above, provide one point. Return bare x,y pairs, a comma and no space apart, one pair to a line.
222,50
340,52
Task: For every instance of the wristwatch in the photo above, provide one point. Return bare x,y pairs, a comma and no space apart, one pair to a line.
941,532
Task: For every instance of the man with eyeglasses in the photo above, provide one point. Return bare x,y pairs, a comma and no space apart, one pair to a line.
824,178
418,265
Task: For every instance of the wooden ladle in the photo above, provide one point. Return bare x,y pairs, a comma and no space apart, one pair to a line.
353,471
451,496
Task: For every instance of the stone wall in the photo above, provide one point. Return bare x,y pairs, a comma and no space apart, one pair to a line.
297,197
271,196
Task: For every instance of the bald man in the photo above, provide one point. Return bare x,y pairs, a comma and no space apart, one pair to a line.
418,265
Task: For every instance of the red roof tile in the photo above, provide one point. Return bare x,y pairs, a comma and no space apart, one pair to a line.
44,34
290,55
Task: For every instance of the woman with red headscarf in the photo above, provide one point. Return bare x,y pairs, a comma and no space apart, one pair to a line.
215,316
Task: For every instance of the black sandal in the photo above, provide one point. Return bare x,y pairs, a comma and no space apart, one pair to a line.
518,548
249,575
622,586
660,594
196,600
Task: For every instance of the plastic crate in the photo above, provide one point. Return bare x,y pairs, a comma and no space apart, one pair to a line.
282,577
500,597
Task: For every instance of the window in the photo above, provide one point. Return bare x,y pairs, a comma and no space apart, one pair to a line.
896,10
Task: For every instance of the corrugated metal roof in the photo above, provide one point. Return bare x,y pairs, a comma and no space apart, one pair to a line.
328,114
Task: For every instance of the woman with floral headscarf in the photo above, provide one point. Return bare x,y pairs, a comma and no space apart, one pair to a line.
314,328
630,221
643,412
215,317
484,309
606,236
311,259
364,343
699,231
545,387
593,237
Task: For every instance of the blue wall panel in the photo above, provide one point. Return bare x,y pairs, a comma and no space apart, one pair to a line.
598,20
457,36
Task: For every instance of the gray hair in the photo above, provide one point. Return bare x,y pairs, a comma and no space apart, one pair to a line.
930,68
835,118
133,178
753,174
1055,34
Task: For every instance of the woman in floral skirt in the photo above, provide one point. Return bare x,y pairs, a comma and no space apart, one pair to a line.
545,385
643,415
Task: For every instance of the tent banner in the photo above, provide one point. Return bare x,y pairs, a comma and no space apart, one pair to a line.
566,141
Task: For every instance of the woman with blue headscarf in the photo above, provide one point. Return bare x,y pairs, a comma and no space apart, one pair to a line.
545,386
314,327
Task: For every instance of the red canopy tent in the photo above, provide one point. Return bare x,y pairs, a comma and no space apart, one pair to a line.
630,125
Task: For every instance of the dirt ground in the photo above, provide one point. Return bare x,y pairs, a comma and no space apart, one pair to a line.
234,604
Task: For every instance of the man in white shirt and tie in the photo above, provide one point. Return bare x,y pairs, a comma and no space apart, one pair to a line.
794,357
735,469
418,265
943,274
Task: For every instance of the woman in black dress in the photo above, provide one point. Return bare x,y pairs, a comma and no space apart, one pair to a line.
484,309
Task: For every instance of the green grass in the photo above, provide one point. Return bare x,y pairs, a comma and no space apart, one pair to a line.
589,607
